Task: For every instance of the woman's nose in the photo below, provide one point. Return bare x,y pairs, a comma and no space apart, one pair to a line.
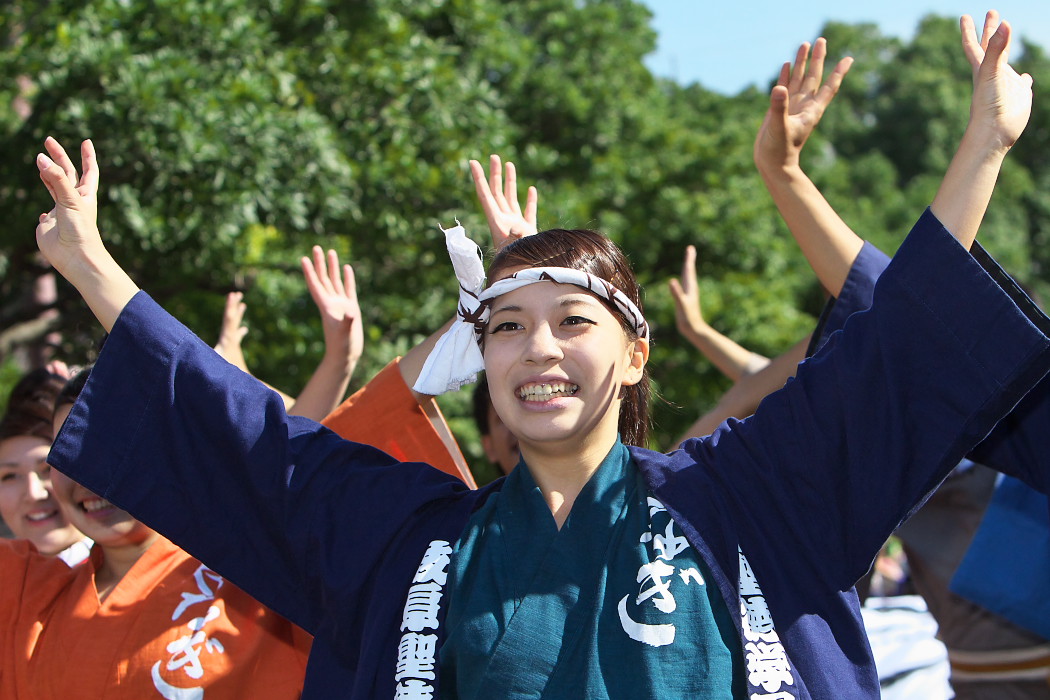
542,346
37,487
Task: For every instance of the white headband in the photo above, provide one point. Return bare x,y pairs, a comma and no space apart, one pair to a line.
456,358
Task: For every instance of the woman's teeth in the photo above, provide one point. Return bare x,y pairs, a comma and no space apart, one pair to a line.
39,515
95,504
545,392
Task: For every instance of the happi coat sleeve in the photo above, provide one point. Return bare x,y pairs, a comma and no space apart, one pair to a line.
384,413
326,532
1018,445
813,483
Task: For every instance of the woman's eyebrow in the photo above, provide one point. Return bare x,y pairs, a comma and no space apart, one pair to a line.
509,307
584,300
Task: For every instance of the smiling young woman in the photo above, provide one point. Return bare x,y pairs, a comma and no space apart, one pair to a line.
27,503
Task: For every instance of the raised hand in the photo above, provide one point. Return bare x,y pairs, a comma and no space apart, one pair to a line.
232,332
1002,98
499,200
336,299
732,359
70,229
68,235
796,105
688,316
999,112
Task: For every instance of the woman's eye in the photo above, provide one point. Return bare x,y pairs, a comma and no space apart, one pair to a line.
577,321
6,476
506,326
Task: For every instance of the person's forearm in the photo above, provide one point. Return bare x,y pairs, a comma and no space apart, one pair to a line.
325,388
963,196
741,400
731,359
828,243
103,284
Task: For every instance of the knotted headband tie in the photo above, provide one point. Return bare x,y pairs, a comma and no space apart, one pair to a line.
456,358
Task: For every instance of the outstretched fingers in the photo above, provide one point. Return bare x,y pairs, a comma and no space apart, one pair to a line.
61,158
333,272
496,182
683,288
532,200
991,23
56,181
815,69
834,81
972,48
778,112
88,185
315,275
510,188
233,318
999,46
689,269
483,189
798,69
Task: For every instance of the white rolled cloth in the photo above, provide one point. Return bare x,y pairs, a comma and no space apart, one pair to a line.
456,359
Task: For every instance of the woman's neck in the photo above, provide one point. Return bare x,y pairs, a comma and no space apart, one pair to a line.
561,471
117,562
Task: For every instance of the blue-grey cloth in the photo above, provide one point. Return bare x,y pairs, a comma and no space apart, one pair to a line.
1007,568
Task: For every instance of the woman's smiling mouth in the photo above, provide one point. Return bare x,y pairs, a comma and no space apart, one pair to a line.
546,391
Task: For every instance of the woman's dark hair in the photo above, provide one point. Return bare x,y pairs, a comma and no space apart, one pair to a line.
479,403
30,406
593,252
71,391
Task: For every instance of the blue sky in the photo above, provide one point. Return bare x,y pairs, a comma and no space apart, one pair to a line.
744,42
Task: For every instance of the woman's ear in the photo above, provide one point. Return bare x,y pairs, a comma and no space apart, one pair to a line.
637,356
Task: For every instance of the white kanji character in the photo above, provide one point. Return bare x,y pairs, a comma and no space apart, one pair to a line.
656,572
767,665
422,607
669,545
173,692
782,695
205,593
435,563
414,690
691,573
748,582
757,620
186,651
655,507
415,656
653,635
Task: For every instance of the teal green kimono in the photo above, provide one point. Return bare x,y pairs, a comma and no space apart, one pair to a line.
615,604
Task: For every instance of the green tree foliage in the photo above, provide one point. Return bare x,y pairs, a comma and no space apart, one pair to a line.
234,135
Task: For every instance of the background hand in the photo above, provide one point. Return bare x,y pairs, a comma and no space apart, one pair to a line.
796,106
1002,98
499,200
69,232
232,332
336,299
688,316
